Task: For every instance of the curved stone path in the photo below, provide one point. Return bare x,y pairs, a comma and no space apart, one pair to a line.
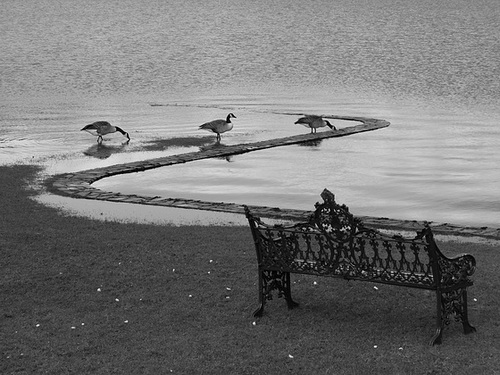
79,184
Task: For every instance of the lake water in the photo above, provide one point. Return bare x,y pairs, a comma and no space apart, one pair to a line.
159,69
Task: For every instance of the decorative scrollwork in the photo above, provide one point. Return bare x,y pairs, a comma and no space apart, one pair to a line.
335,219
452,303
273,280
457,270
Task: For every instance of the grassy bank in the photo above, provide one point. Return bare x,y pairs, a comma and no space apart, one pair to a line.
90,297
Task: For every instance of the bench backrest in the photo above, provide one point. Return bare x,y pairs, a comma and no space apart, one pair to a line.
335,243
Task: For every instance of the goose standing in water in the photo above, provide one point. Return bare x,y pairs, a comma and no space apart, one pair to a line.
101,128
314,122
219,126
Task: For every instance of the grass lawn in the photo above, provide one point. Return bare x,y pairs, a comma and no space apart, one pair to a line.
80,296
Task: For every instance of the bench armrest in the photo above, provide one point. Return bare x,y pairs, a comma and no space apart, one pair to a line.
456,270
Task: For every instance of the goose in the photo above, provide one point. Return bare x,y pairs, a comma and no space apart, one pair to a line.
219,126
314,122
100,128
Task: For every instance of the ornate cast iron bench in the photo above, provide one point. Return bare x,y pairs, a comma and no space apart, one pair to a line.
335,243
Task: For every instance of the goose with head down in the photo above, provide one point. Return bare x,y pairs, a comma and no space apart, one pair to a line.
100,128
314,122
219,126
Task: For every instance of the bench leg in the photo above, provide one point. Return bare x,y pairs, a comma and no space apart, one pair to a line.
451,303
465,315
274,280
260,310
438,336
288,292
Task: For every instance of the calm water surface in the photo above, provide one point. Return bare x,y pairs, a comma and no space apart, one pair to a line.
430,68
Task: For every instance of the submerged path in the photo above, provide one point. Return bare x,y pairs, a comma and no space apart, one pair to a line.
79,184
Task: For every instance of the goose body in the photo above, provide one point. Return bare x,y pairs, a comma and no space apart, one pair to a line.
314,122
100,128
219,126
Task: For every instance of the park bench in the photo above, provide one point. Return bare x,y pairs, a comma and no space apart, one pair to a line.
335,243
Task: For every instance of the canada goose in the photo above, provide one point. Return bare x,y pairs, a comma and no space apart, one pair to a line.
219,126
100,128
314,122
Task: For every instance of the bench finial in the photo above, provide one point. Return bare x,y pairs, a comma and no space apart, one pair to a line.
331,217
328,196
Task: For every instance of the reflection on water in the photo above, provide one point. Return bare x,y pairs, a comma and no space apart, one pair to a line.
177,142
217,145
313,143
103,151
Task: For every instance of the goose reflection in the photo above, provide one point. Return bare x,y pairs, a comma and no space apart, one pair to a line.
217,146
101,151
313,143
